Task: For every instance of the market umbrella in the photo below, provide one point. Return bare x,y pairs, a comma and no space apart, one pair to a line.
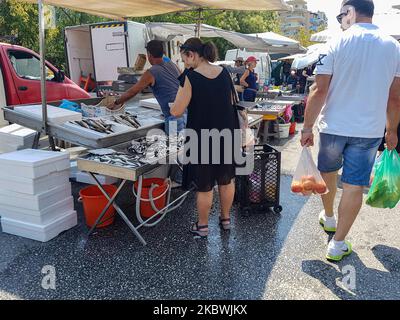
269,41
279,44
122,9
117,9
308,59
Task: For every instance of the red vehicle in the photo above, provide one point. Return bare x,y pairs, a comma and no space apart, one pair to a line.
20,78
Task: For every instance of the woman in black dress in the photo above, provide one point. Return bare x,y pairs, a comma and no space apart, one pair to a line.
206,92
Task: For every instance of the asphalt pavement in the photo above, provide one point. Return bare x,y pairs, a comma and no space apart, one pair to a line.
265,256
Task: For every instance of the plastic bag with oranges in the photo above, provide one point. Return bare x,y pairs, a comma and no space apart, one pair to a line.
307,179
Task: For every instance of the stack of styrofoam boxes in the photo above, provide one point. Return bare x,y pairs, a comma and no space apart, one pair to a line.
15,137
35,194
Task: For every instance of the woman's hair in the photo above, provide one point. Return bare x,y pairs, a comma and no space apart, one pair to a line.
206,50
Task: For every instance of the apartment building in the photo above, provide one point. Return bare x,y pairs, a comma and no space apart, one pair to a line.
299,17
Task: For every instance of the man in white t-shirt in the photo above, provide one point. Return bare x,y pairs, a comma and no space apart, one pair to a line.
356,93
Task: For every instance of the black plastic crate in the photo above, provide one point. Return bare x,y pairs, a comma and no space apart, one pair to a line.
260,190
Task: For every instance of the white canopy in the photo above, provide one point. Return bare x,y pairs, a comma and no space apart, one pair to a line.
389,23
308,59
141,8
280,44
269,42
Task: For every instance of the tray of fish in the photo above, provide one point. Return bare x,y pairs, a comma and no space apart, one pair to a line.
97,127
154,148
126,119
119,159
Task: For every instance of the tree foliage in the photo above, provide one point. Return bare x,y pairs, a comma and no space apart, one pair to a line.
21,20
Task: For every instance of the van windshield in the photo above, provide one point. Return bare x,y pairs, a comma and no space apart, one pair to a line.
27,66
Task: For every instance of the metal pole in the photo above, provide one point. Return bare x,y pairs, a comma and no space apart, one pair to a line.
199,21
42,66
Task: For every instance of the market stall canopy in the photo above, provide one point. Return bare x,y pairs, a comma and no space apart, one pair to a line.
270,42
389,23
141,8
308,59
292,57
280,44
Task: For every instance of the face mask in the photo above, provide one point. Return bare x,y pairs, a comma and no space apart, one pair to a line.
349,19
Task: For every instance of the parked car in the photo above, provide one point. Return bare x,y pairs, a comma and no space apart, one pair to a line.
20,79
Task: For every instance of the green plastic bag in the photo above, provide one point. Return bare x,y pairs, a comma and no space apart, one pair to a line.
385,189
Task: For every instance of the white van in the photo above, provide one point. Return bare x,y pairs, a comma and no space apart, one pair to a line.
99,49
263,66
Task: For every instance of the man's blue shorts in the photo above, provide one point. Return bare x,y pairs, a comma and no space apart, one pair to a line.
355,155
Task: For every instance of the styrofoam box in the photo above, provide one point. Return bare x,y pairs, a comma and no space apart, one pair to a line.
40,232
33,186
16,134
84,177
35,202
42,217
54,114
150,103
6,148
30,163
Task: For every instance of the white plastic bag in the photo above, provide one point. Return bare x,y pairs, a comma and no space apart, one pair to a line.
307,179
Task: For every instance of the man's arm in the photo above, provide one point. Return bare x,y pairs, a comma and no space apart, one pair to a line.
146,80
393,115
315,102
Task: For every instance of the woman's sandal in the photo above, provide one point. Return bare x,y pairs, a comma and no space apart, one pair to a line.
225,224
196,230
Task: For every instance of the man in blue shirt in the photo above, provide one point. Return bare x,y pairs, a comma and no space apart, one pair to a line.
162,78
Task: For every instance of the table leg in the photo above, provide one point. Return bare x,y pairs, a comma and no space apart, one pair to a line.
36,141
111,201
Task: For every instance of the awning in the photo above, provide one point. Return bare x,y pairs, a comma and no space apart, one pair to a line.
308,59
116,9
389,23
292,57
267,42
280,44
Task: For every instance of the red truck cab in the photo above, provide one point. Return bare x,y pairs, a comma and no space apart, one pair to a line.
20,70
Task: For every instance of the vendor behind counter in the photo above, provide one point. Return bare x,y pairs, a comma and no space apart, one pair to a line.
162,78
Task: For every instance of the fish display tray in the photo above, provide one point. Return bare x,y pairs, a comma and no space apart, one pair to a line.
116,127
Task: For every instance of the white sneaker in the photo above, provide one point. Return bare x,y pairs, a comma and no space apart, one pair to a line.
336,252
327,223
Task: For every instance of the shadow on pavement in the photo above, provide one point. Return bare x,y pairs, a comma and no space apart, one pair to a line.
370,284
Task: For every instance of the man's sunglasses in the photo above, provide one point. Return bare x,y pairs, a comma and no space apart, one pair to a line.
340,17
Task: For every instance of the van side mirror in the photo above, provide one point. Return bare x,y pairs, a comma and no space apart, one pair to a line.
60,76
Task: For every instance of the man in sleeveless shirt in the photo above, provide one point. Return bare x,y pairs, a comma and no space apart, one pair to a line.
162,78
